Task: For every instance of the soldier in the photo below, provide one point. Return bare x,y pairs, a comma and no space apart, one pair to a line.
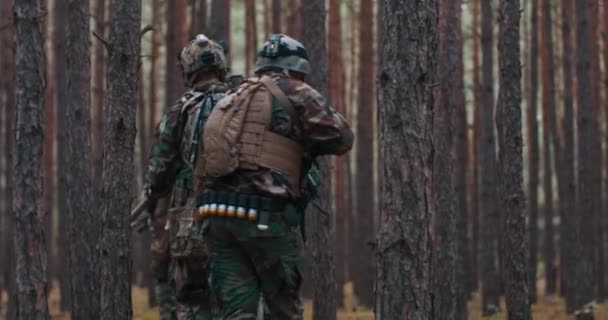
173,154
252,169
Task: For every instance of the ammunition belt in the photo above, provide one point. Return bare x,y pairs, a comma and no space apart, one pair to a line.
237,205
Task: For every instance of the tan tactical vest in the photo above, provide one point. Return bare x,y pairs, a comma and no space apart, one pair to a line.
237,134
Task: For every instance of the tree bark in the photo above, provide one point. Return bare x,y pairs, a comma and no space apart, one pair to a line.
487,172
219,23
251,37
154,74
198,19
294,19
123,61
7,86
550,147
175,41
475,188
567,166
448,101
533,158
276,16
82,218
407,69
363,267
63,160
98,96
321,236
586,131
30,246
511,161
341,189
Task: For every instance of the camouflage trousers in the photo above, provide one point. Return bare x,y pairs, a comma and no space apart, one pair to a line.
165,295
189,277
248,264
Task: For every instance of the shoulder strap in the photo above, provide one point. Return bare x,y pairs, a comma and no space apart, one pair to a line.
283,100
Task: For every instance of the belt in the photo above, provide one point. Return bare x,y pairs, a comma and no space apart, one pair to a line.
240,206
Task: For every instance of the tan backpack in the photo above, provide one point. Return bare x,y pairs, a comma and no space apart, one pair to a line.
237,135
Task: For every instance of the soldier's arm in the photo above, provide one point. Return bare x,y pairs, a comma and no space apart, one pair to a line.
325,131
164,156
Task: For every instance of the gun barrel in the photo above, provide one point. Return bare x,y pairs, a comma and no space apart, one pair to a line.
138,209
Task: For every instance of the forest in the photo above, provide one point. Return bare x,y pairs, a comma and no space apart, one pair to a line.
477,186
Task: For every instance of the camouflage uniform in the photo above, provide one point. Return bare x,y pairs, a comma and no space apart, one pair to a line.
247,263
170,170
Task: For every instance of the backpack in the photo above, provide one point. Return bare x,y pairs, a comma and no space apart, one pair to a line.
238,136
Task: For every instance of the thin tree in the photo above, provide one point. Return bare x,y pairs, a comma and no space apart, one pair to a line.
30,247
363,267
154,74
251,36
321,236
550,147
60,18
487,171
475,188
406,75
443,192
276,16
533,151
198,17
175,40
341,191
568,199
585,131
219,23
7,87
123,60
82,218
509,126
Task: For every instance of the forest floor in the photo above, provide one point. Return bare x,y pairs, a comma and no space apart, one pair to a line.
547,308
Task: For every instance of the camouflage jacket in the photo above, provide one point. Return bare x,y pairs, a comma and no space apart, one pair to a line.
171,165
321,131
175,145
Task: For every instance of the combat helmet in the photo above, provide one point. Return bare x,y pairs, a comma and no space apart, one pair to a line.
203,55
283,52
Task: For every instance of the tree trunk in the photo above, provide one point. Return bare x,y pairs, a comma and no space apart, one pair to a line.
487,172
154,74
511,162
550,147
599,219
276,16
30,246
605,138
219,24
175,40
98,96
63,160
82,218
341,189
445,257
7,86
475,214
586,131
568,199
321,236
198,18
407,69
363,267
251,37
533,151
294,19
267,22
124,48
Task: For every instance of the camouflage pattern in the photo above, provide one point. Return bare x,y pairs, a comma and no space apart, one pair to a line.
202,55
170,170
165,295
321,131
246,263
283,52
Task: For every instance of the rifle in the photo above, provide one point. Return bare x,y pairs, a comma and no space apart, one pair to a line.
139,219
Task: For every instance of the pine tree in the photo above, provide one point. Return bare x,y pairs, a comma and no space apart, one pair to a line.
123,60
175,40
407,69
320,227
509,126
82,218
30,246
